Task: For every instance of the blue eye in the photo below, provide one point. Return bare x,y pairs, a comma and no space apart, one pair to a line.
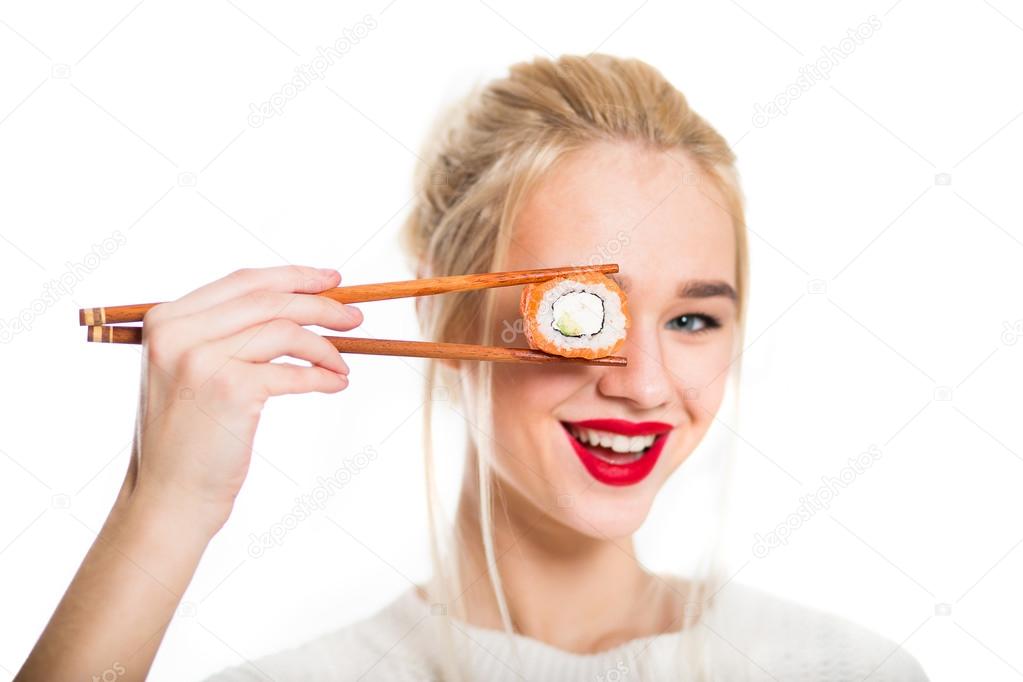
695,323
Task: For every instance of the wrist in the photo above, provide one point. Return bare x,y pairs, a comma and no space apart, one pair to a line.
147,549
162,514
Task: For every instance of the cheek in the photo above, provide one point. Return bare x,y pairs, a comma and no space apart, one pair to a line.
700,373
519,422
526,398
527,436
516,385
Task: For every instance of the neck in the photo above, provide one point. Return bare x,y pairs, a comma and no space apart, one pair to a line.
562,587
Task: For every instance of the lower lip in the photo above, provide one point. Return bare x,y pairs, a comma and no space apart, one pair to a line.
618,474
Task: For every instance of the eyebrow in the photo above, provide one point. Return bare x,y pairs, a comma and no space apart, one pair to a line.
703,288
692,288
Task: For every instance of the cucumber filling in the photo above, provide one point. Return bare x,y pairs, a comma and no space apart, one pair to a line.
578,313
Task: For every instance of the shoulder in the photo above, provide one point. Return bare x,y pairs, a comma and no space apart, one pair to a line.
383,646
792,641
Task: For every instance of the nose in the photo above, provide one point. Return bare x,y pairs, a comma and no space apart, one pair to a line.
646,381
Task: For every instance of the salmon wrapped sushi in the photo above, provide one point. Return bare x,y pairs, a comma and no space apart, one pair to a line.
582,316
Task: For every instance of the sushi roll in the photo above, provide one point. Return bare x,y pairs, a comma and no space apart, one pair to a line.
582,316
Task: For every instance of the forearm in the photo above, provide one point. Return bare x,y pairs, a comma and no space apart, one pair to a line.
125,593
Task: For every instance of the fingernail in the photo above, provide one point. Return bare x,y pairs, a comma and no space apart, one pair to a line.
328,272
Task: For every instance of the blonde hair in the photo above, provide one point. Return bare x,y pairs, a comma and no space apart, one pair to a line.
479,163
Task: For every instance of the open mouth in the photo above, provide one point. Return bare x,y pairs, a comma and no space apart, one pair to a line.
617,452
613,448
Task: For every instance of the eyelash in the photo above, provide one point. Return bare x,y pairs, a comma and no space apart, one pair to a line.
708,321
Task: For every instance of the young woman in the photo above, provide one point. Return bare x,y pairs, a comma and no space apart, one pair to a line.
561,162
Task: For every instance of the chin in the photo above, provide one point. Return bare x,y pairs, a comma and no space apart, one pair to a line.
614,470
607,495
605,517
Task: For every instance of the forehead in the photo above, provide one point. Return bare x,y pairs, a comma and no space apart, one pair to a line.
652,212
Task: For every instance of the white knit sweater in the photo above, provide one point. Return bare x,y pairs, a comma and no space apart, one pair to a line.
749,635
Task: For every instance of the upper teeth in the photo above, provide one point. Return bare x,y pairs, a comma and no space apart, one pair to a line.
614,441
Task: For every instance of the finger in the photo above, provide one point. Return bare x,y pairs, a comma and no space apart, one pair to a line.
266,342
285,278
260,307
280,378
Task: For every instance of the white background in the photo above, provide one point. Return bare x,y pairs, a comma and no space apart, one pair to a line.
132,117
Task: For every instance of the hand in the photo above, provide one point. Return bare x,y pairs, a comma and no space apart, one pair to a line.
206,374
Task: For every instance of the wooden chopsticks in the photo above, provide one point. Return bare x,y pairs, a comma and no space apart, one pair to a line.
101,331
416,349
362,293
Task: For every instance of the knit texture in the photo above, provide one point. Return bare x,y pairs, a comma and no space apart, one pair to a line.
748,635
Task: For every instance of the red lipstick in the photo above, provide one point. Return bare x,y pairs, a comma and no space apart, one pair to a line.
625,427
598,461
